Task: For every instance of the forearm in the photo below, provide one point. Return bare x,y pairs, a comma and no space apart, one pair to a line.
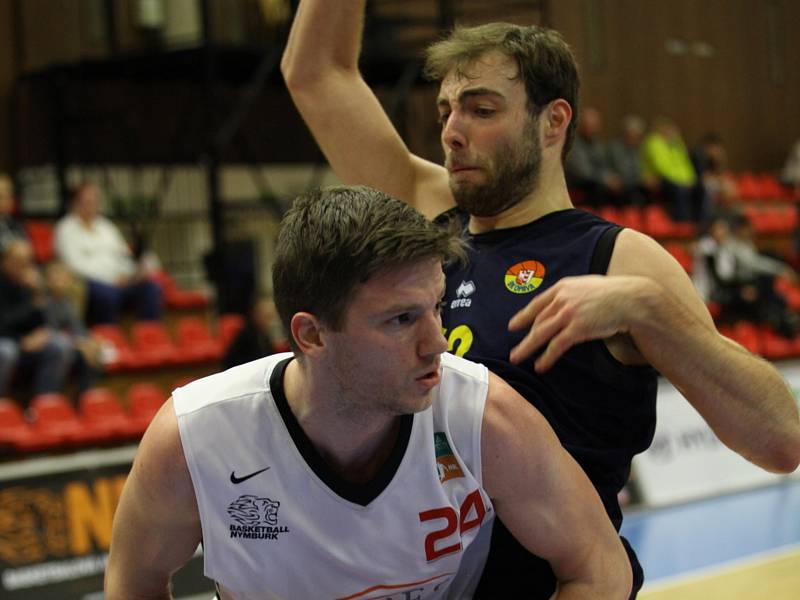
325,38
743,398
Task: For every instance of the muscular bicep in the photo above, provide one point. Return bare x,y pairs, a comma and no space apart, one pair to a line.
156,526
541,494
638,254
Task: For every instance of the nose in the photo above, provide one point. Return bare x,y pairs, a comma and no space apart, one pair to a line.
432,341
454,132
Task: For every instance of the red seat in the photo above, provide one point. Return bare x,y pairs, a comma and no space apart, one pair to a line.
152,344
681,254
16,433
195,342
775,346
229,325
52,414
631,217
176,297
101,411
748,335
41,235
144,401
121,355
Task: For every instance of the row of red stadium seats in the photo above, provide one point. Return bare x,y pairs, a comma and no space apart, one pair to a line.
51,422
151,345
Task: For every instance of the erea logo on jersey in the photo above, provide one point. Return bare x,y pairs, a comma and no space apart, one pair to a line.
524,277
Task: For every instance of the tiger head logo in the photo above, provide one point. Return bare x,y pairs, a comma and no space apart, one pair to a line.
252,510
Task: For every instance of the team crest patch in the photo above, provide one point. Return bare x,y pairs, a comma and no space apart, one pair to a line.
256,518
524,277
446,461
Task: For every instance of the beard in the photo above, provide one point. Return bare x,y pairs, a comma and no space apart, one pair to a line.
514,175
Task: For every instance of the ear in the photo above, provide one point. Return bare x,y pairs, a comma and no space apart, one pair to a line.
556,118
305,329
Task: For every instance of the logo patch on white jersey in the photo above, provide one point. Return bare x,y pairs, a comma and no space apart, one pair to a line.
467,288
256,518
446,461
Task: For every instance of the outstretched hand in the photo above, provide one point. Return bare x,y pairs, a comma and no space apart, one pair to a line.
574,310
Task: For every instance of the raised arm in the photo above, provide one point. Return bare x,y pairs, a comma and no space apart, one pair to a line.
649,297
546,500
320,66
156,526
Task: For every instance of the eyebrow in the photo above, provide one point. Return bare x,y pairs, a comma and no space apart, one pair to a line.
470,93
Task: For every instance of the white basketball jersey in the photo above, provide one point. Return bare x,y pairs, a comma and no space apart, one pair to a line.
277,524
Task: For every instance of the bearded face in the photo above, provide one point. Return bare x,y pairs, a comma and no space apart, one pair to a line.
510,173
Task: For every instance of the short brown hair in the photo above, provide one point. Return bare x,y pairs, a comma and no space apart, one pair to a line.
334,239
545,62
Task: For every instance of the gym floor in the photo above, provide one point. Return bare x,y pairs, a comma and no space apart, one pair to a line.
743,546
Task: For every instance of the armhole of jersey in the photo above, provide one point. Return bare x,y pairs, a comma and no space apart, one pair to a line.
603,250
599,266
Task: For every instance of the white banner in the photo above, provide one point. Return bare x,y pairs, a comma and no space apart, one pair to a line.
687,461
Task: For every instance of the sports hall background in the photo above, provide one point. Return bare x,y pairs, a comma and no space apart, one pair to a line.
177,109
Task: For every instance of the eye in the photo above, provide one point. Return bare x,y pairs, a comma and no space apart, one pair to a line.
442,120
440,306
402,319
484,112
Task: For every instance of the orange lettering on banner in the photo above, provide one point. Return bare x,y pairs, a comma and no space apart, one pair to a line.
90,513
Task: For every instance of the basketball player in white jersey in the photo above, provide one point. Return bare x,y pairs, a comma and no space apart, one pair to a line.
366,463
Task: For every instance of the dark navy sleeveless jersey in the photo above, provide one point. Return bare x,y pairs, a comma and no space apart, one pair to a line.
602,411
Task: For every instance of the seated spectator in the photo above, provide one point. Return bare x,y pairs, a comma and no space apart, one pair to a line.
10,228
588,168
714,265
63,316
791,170
714,189
254,339
665,159
624,154
750,288
93,248
25,339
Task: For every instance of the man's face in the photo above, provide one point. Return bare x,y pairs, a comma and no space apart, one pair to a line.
87,203
385,359
491,143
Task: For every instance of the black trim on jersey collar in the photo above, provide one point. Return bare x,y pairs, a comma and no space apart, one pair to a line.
497,234
361,494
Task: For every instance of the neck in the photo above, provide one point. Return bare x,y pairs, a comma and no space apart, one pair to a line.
355,444
550,195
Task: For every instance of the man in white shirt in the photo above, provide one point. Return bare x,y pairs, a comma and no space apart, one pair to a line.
94,249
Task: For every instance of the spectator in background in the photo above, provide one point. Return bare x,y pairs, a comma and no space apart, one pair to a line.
587,167
748,288
713,262
93,248
791,170
10,228
25,338
254,339
714,190
62,315
625,160
665,159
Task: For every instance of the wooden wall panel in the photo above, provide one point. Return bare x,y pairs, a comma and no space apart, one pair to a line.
655,61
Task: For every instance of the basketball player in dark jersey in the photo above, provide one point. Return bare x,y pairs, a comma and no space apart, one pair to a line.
609,307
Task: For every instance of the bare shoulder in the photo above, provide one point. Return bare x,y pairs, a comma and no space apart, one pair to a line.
514,437
640,255
160,468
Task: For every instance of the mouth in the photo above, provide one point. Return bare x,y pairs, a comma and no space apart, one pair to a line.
429,379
